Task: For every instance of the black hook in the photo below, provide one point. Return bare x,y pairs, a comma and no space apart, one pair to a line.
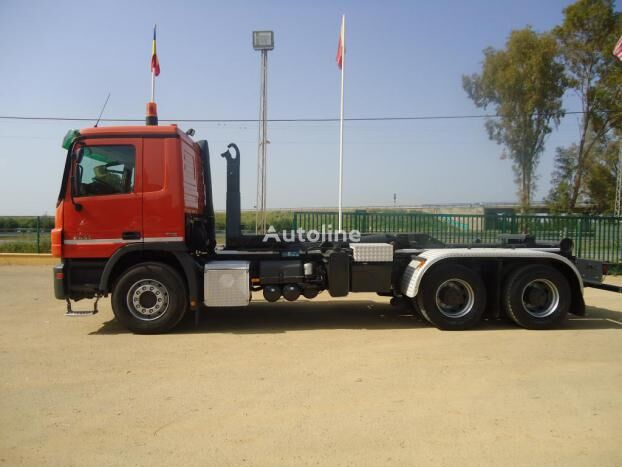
227,154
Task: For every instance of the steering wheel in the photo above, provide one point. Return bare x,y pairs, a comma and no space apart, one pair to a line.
109,188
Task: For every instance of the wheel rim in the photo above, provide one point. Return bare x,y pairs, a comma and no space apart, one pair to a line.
147,299
540,298
455,298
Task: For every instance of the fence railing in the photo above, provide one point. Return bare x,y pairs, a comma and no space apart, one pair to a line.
595,237
21,234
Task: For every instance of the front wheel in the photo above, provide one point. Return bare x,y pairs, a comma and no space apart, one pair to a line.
536,297
149,298
452,297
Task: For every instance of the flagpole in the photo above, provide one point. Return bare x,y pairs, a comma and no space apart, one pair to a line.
343,70
153,51
152,86
152,109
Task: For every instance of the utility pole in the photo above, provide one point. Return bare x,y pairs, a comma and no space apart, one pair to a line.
262,41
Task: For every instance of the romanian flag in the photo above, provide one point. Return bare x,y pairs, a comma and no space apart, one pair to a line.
342,43
155,63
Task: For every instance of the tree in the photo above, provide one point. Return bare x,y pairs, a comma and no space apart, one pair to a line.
565,163
601,176
524,83
599,181
586,39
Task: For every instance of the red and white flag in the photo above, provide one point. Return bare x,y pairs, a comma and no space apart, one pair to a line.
341,48
617,50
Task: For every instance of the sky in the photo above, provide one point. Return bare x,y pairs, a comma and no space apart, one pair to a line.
404,58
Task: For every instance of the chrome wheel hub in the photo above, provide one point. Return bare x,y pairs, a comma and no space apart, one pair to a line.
455,298
147,299
540,298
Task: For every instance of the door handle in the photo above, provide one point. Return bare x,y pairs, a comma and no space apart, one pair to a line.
130,235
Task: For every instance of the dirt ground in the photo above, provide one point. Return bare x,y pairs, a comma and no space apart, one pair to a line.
26,259
347,382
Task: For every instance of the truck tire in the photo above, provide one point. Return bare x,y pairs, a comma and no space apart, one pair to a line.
416,310
536,297
452,297
149,298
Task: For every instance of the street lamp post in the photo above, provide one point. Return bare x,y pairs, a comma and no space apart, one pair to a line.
262,41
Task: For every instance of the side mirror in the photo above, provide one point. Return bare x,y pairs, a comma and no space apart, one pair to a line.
74,180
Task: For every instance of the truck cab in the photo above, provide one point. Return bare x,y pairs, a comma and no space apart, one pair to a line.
128,193
127,185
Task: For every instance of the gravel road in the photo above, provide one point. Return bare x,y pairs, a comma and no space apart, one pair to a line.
345,382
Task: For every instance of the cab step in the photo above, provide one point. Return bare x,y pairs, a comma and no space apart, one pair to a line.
74,313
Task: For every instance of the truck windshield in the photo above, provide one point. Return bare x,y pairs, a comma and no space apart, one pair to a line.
106,170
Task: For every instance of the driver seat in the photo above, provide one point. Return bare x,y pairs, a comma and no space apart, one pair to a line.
109,179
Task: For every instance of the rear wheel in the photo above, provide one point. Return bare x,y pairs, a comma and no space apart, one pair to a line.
536,297
416,310
149,298
452,297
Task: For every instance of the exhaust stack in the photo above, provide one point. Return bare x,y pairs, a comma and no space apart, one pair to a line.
234,210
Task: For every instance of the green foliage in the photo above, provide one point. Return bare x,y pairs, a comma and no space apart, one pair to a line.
26,246
601,177
8,223
45,222
586,39
22,237
561,193
281,220
524,83
598,182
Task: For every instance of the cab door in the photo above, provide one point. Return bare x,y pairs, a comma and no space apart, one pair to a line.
106,186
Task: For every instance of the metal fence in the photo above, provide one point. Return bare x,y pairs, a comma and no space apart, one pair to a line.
21,234
595,237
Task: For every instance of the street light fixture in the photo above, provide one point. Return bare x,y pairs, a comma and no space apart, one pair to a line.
263,40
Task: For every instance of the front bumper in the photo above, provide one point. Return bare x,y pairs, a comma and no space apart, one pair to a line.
59,281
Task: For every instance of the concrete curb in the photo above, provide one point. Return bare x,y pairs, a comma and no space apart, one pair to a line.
28,259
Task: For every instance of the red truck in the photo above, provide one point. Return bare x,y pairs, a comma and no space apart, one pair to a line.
135,220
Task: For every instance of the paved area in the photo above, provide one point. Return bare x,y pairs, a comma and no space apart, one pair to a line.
347,382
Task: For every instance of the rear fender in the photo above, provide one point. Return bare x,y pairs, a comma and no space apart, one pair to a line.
420,264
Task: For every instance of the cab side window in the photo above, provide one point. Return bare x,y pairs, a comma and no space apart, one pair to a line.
105,170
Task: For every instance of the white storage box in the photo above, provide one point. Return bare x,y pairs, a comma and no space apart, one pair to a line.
372,252
227,283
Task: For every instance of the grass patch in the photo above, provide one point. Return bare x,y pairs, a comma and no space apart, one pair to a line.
26,246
